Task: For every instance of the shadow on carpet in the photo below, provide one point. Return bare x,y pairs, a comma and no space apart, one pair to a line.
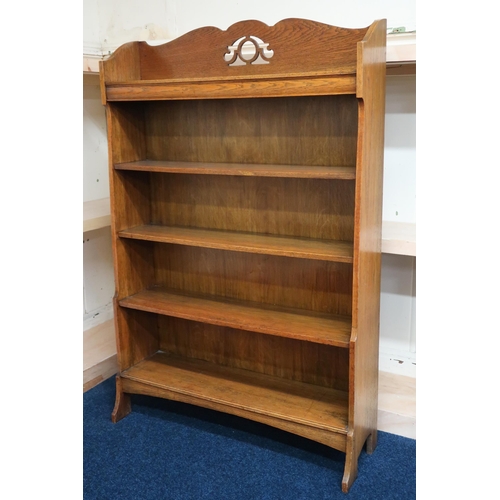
168,450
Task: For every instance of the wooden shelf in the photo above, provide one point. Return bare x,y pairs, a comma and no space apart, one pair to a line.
243,391
399,238
96,214
156,90
297,324
396,408
241,169
337,251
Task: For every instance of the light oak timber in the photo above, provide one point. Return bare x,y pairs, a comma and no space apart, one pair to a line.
401,51
265,150
363,393
123,404
155,91
303,208
326,329
241,169
337,251
272,355
234,389
397,237
396,403
300,46
298,284
306,130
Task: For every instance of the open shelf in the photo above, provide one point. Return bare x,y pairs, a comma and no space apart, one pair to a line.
282,322
399,238
239,288
236,389
337,251
96,214
242,169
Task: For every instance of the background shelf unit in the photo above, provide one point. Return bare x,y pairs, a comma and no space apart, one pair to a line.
399,238
96,214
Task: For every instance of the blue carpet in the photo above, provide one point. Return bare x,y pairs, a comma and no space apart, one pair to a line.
167,450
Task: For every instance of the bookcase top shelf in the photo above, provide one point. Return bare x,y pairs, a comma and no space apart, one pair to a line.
249,59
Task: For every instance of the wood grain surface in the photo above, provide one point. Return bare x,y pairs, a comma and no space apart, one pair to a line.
246,224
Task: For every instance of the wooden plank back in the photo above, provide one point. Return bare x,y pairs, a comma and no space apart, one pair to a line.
291,46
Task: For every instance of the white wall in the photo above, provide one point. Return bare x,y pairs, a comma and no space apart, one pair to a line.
118,21
398,287
98,280
109,23
95,148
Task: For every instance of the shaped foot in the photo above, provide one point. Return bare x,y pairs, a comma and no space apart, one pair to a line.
122,403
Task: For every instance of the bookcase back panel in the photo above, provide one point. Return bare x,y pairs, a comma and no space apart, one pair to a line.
311,208
281,357
127,130
292,45
139,336
277,281
131,192
136,266
289,130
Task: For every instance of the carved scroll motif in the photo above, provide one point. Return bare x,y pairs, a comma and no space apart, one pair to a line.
248,50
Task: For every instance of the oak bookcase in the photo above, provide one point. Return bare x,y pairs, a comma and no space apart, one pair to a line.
246,202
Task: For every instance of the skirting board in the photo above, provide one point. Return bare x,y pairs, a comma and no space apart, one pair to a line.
99,372
99,354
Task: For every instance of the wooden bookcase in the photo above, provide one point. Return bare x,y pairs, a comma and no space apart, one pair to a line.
246,203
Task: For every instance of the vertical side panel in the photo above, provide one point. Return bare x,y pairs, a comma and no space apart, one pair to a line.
123,65
129,195
136,333
367,244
